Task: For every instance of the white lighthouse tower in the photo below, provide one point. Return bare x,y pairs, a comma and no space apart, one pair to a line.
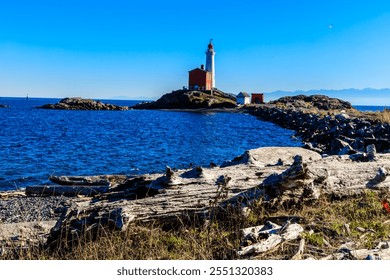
210,62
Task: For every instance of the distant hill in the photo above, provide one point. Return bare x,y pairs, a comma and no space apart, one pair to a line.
123,97
367,96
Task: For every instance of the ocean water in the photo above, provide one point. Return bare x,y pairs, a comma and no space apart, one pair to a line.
364,108
36,143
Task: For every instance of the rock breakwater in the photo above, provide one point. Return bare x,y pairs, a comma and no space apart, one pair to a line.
338,130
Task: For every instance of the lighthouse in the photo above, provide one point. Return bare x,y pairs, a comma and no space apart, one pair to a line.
210,62
203,78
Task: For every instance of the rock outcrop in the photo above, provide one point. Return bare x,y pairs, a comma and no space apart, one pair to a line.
321,102
186,99
4,106
78,103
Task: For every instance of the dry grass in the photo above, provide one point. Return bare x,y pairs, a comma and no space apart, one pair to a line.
383,116
219,238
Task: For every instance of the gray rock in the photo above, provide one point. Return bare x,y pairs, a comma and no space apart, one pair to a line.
338,146
371,152
379,177
347,150
358,157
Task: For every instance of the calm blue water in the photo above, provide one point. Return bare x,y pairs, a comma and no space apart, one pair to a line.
370,108
36,143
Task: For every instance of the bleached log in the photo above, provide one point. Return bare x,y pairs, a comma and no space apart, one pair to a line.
291,232
261,247
66,190
87,180
360,254
199,192
375,254
382,254
11,194
31,232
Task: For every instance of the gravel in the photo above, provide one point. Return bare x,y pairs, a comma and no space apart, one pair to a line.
29,209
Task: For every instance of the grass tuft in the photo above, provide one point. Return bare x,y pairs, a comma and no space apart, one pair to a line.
219,236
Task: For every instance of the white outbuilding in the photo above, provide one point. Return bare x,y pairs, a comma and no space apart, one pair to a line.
243,98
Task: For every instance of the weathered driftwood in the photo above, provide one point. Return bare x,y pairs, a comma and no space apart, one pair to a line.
182,194
104,180
279,174
380,252
349,251
26,232
66,190
6,195
276,235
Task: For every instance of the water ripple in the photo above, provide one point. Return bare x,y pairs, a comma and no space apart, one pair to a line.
37,143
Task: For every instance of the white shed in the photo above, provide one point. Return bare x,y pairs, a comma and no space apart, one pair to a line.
243,98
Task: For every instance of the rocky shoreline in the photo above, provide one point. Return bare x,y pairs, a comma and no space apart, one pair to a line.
279,176
346,155
328,126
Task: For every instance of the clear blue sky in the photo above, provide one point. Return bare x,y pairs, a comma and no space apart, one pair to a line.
102,49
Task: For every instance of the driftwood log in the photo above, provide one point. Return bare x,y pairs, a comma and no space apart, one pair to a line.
278,174
66,190
104,180
77,185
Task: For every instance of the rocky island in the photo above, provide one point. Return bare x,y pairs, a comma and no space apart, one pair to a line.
191,99
325,201
78,103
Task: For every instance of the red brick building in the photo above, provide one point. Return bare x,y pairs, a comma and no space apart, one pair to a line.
199,79
257,98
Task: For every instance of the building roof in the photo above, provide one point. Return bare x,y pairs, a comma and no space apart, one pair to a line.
197,69
243,94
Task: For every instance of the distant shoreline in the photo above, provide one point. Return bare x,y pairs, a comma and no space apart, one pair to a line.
139,100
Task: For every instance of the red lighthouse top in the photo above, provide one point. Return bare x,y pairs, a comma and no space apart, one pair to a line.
211,45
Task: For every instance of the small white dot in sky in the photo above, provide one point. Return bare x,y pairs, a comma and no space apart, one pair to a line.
330,26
